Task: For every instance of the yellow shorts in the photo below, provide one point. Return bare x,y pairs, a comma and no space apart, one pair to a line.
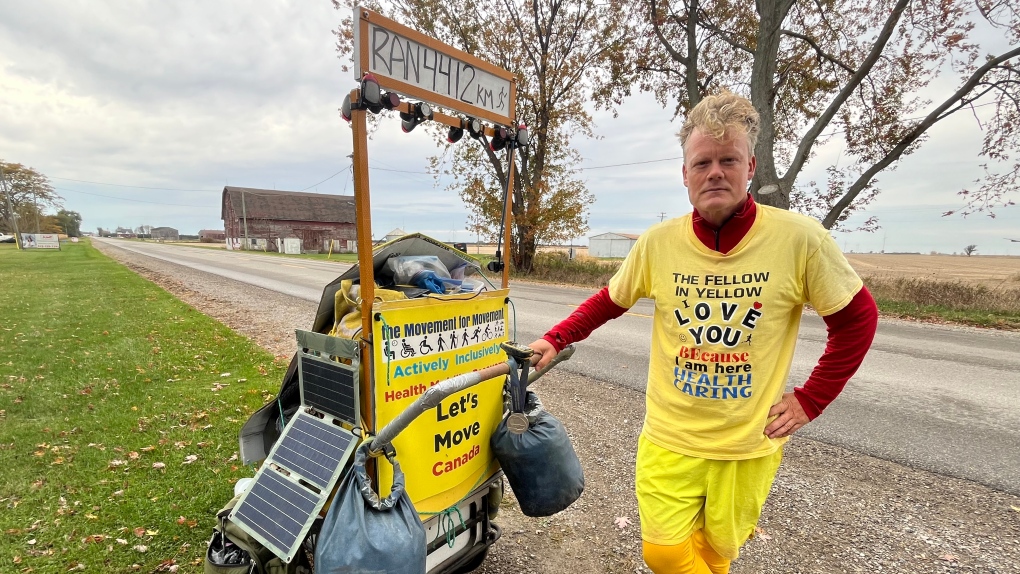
679,494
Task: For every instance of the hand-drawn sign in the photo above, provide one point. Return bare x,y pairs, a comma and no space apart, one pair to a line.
414,65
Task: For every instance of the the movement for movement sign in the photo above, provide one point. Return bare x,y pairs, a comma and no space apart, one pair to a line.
445,452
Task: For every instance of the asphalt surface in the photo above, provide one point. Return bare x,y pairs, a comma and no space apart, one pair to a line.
934,397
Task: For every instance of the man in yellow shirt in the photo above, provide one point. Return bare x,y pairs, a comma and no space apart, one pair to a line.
729,283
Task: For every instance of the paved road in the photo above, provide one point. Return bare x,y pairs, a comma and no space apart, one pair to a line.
933,397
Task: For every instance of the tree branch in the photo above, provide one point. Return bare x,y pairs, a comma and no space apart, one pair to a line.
822,54
725,36
931,119
808,141
673,53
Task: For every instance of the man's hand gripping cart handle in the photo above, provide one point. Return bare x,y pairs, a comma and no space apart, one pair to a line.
435,394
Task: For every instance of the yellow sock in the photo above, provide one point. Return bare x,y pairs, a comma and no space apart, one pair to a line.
716,564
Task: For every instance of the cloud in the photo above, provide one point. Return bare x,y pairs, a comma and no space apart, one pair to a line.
194,95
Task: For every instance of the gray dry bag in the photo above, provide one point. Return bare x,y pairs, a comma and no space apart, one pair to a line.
363,534
540,464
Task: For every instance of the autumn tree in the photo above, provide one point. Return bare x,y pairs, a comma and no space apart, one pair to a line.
854,69
69,222
29,192
567,58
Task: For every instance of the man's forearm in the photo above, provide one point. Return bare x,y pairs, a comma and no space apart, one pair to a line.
590,315
850,333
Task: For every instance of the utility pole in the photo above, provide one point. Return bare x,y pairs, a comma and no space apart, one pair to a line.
10,207
662,216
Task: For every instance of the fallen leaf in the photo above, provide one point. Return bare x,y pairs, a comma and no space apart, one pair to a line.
948,557
139,532
759,533
1016,508
185,522
622,522
122,542
190,459
133,455
159,465
152,532
140,547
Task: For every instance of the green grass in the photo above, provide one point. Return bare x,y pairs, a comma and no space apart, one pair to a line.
108,387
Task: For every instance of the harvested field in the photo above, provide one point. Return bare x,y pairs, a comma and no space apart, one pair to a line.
992,271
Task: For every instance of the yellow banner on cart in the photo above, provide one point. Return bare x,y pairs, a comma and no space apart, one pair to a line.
445,452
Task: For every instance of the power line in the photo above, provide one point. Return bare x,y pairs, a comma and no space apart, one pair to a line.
131,186
135,200
631,163
328,178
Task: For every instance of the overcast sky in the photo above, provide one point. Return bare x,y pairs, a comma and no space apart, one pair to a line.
111,99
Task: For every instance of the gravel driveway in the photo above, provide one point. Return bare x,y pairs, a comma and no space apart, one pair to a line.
831,509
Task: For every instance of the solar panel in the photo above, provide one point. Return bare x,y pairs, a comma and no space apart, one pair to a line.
329,387
311,448
294,483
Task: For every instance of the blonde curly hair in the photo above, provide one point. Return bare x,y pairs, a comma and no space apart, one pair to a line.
720,113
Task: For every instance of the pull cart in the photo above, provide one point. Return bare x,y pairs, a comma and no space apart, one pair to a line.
375,360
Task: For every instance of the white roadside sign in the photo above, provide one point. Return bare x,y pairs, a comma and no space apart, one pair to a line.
40,241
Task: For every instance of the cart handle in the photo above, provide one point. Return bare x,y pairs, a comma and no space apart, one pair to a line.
440,391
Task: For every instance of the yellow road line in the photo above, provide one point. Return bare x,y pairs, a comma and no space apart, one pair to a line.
298,266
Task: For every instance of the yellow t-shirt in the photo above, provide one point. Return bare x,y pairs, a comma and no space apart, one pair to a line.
725,326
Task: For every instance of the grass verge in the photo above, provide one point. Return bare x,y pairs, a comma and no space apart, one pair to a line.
119,412
951,301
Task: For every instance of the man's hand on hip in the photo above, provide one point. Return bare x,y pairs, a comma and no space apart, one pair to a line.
789,415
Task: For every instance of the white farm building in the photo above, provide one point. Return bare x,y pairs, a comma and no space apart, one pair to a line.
611,244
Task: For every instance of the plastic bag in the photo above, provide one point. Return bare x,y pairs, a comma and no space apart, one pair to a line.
364,534
541,466
425,271
225,557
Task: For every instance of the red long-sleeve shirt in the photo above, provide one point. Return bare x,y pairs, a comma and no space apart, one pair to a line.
850,330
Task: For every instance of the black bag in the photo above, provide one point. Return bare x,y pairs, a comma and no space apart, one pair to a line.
541,466
363,534
231,550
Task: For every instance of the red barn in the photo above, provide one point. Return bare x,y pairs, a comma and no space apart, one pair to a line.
274,220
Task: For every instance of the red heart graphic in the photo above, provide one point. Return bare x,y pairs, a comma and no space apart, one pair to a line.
757,305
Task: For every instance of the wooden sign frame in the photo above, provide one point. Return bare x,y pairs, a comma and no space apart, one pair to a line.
366,23
399,58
